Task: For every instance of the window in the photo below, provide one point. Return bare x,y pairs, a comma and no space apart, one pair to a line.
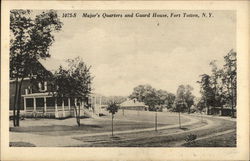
29,102
39,102
50,101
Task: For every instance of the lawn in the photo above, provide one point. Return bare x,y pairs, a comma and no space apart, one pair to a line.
171,137
162,139
132,139
130,121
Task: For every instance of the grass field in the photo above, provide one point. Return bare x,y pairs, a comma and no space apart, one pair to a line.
97,132
163,139
132,120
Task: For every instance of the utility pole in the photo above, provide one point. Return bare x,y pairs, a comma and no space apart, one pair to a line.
112,124
179,109
156,120
179,119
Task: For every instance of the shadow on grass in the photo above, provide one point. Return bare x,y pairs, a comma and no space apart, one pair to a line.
184,128
115,138
21,144
53,128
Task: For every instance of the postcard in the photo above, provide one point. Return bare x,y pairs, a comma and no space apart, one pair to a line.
125,80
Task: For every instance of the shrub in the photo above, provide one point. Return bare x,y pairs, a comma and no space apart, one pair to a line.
190,138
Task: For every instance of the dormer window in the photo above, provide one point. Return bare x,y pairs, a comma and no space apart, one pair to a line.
42,86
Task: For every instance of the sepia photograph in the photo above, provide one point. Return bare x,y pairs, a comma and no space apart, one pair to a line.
122,78
146,82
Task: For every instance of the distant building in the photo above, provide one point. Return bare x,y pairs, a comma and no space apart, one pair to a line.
222,111
133,104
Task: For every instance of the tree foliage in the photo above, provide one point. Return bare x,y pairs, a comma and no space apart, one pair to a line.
180,103
74,82
30,39
220,88
107,99
113,107
155,99
184,98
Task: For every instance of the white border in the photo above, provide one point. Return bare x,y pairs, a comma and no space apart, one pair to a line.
39,153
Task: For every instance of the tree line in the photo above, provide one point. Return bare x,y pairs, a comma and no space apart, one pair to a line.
218,90
153,98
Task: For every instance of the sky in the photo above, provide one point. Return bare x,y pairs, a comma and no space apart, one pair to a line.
162,52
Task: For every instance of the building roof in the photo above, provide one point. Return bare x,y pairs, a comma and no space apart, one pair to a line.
132,103
52,64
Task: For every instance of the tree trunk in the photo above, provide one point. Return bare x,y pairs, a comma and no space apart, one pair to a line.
19,102
179,119
201,116
15,102
112,125
232,100
155,120
77,115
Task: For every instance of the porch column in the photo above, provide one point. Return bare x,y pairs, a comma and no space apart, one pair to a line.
100,100
34,103
69,103
63,107
45,105
56,104
24,103
56,111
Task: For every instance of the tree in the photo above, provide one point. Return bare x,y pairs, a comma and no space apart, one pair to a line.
112,108
30,40
180,103
140,92
74,83
206,91
220,88
152,97
189,97
184,98
200,106
107,99
170,101
230,79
